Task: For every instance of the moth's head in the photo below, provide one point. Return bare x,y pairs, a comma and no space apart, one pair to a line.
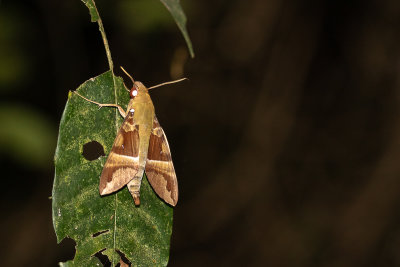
137,89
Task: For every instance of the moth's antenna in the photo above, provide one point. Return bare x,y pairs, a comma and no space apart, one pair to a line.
133,81
162,84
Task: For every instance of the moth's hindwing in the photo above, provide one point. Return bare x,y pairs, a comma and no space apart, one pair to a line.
159,167
122,162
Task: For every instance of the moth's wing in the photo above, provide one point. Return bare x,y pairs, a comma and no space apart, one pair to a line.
122,162
159,167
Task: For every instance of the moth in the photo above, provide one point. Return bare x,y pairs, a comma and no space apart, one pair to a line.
140,146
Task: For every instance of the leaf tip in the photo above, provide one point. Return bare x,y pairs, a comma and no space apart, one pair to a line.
94,16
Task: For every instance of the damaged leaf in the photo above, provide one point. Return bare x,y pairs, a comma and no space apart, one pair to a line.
111,225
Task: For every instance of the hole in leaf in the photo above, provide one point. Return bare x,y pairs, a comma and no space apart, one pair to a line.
124,259
92,150
67,249
103,258
100,233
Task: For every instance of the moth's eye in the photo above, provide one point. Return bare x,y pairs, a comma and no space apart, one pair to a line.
133,93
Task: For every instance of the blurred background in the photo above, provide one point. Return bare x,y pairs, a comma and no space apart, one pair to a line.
286,139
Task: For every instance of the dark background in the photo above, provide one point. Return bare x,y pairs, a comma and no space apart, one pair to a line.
286,139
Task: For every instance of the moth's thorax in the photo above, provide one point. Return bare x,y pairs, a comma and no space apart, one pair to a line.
142,105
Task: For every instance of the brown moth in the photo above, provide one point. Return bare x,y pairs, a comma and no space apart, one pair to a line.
140,146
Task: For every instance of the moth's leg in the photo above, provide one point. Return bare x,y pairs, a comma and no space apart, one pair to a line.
120,109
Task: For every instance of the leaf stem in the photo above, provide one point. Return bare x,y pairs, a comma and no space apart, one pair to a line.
105,41
104,37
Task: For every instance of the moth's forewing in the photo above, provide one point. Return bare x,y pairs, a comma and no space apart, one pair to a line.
122,162
159,167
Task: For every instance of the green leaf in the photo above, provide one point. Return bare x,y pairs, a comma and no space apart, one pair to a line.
177,13
141,233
